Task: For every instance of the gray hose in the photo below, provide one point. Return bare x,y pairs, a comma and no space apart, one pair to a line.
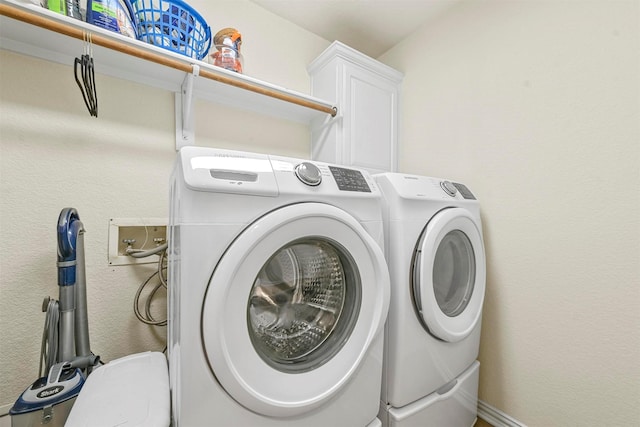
143,254
49,348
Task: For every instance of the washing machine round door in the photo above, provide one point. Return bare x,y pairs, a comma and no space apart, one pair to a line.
292,308
449,275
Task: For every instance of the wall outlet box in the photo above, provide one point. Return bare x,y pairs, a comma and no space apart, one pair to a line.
136,234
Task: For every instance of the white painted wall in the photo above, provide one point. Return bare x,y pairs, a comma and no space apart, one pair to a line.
535,105
54,155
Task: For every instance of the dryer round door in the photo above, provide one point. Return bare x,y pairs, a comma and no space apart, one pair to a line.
449,275
292,308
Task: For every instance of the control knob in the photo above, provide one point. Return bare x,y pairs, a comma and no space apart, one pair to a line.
308,173
449,188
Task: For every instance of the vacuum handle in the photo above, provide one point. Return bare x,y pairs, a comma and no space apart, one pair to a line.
69,226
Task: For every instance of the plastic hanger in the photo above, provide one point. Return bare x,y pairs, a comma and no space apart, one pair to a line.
87,75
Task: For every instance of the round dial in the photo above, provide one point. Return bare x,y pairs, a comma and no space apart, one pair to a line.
449,188
308,173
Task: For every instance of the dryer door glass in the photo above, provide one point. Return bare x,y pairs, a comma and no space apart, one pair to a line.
302,305
449,275
454,273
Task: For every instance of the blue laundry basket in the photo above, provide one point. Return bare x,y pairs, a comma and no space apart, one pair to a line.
173,25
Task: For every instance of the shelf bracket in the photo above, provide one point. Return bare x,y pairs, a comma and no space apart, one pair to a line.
321,131
185,134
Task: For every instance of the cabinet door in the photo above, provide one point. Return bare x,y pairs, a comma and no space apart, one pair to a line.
367,94
370,120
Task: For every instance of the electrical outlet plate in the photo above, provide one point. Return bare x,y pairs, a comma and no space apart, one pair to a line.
146,233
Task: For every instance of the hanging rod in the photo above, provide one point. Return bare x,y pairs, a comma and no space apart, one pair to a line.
187,67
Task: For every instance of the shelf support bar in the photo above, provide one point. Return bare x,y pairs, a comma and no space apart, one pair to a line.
185,134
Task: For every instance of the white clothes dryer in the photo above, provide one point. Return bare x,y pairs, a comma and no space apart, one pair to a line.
278,292
436,258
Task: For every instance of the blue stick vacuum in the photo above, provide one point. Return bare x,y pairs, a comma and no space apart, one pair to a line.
66,351
74,333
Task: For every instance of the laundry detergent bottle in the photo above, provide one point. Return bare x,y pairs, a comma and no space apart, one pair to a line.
113,15
58,6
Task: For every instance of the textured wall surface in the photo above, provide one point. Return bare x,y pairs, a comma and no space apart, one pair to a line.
54,155
536,107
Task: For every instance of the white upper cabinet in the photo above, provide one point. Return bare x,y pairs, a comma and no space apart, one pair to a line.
366,92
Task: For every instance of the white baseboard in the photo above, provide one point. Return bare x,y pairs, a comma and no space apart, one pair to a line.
4,409
496,417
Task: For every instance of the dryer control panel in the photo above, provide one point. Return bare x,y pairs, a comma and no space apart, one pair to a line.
453,188
423,187
464,191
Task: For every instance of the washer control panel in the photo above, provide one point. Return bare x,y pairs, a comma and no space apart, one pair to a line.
308,173
350,179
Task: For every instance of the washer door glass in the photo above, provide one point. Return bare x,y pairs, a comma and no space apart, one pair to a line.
293,307
449,274
303,303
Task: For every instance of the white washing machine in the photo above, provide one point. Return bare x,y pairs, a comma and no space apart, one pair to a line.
278,292
435,252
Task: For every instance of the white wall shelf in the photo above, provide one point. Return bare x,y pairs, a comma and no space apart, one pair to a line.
36,31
